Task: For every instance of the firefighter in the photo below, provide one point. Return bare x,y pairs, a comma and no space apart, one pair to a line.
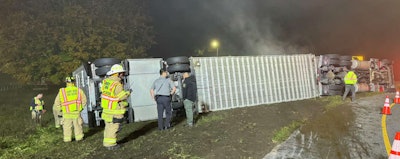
350,80
113,102
36,108
71,100
57,112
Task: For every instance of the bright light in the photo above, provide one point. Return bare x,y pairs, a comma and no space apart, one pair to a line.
214,43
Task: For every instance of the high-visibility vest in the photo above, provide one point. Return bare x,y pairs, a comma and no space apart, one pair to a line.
350,78
71,102
39,104
109,100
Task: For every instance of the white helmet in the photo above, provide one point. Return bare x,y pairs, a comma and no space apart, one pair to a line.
117,68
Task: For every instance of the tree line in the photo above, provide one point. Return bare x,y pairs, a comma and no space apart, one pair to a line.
51,38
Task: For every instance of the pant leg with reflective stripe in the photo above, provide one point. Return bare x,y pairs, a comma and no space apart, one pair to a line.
78,129
67,129
110,134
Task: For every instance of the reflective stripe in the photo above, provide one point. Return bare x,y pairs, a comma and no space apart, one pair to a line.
110,141
109,98
109,101
65,99
67,138
79,137
68,104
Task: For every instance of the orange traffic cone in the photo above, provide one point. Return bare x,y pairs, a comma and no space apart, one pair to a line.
397,98
386,107
395,152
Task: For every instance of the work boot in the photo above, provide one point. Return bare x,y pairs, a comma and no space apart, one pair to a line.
116,147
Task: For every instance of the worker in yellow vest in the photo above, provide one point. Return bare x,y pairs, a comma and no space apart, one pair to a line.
113,102
36,108
350,80
71,100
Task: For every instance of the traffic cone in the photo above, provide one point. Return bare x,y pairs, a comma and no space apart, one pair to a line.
397,98
386,107
395,152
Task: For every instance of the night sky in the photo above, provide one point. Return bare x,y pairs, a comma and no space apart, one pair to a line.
263,27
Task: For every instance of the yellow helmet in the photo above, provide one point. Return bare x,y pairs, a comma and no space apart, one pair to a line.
69,79
117,68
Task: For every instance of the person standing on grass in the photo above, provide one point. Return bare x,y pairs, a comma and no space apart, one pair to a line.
37,108
189,96
161,91
350,80
114,104
71,100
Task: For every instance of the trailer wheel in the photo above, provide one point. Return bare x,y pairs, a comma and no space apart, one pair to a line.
335,87
178,68
102,71
106,62
332,93
178,60
341,75
334,62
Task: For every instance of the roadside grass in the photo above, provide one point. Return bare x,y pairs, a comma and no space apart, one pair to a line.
179,150
210,118
284,133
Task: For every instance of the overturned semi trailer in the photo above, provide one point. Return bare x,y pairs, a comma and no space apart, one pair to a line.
222,82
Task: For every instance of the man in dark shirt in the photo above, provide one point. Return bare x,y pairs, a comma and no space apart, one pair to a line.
189,91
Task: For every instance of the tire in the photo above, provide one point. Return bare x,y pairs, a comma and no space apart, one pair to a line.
178,60
102,71
324,81
91,119
341,75
338,81
335,87
106,62
345,58
333,62
345,63
178,68
333,93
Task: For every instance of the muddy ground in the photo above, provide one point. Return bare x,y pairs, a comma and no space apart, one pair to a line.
237,133
351,130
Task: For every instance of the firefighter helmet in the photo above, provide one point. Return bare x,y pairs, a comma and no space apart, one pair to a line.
69,79
117,68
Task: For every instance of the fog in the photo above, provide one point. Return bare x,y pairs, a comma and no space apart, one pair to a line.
251,27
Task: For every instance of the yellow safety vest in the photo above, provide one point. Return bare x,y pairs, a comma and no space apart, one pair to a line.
71,102
350,78
39,104
110,100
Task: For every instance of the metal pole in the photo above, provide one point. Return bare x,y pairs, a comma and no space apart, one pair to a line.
217,51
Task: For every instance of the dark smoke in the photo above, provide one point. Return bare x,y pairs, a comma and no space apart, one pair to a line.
253,27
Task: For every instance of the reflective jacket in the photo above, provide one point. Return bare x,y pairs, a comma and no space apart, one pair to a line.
37,104
111,99
71,101
350,78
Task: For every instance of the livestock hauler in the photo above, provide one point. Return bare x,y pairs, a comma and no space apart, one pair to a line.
222,82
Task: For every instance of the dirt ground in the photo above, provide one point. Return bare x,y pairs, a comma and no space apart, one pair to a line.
237,133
